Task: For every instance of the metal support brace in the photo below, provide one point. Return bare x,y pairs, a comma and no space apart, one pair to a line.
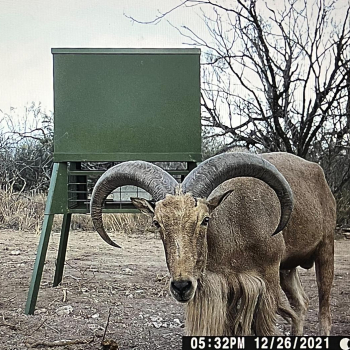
62,249
43,244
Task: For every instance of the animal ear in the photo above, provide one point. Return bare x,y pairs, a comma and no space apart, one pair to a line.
217,200
145,206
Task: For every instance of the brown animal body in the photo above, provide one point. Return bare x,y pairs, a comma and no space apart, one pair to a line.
219,232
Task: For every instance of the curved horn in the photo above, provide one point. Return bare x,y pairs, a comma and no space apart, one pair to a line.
202,180
148,176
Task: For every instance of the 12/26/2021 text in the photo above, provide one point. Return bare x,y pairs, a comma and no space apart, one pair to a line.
251,343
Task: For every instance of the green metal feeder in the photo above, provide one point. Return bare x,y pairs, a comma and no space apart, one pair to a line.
113,105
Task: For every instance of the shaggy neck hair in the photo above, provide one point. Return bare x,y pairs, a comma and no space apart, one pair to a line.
243,305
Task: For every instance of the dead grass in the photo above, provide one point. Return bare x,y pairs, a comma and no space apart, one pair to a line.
25,212
121,223
21,212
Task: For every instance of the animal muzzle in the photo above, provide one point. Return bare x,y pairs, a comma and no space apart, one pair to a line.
183,290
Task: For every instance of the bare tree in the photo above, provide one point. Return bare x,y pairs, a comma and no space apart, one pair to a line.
273,75
276,77
26,149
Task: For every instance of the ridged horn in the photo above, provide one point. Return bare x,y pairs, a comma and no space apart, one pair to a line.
148,176
202,180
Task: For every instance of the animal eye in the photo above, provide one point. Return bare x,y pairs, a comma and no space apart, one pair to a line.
205,221
156,223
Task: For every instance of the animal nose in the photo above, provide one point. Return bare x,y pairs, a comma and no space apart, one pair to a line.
181,287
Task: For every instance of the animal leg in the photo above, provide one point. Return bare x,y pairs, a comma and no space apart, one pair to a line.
324,265
291,285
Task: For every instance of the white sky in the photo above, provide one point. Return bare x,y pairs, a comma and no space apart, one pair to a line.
30,28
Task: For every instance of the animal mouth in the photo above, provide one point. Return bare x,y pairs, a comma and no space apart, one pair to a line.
182,291
181,298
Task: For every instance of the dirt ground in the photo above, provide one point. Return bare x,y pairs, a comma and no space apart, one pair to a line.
129,285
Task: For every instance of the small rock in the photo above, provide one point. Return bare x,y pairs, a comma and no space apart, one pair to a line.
95,316
176,324
15,252
157,324
95,327
176,320
156,318
40,311
64,310
127,271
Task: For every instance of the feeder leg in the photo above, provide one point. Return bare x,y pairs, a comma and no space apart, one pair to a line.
44,239
62,249
39,264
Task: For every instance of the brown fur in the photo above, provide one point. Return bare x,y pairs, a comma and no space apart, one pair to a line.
206,313
308,237
233,265
240,305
